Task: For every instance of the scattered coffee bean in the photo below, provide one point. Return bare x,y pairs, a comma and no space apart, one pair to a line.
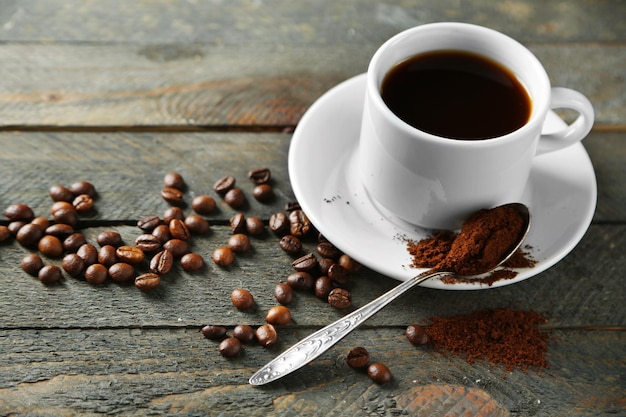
197,225
96,274
213,332
290,244
203,204
148,243
59,230
263,193
88,253
306,263
278,315
107,256
172,213
328,250
148,223
178,229
323,287
192,262
283,293
61,193
324,265
238,223
338,274
32,264
172,195
266,335
292,205
224,184
235,198
177,247
50,246
162,262
5,233
174,180
50,274
41,221
110,238
340,298
83,187
244,333
148,281
350,264
379,373
74,265
15,226
66,216
82,203
229,347
302,281
242,299
162,232
299,223
239,243
279,224
254,226
29,235
121,272
130,254
260,175
61,205
74,241
417,335
223,256
358,358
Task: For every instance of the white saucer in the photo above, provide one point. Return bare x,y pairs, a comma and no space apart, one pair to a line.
561,193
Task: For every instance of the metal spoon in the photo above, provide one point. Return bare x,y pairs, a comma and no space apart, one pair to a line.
319,342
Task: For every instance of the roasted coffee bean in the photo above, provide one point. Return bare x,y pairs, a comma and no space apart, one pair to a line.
299,223
213,332
350,264
340,298
328,250
16,212
292,205
172,213
148,223
306,263
59,230
107,256
290,244
417,335
177,247
197,225
61,205
266,335
89,253
174,180
110,238
15,226
242,299
338,274
324,265
83,187
178,229
50,246
66,216
74,241
203,204
358,358
224,184
32,264
96,274
162,262
223,256
148,243
235,198
302,281
254,226
229,347
50,274
279,224
121,272
130,254
259,175
82,203
192,262
162,232
278,315
239,243
238,223
323,287
244,333
74,265
172,195
379,373
29,235
283,293
148,281
41,221
5,233
61,193
263,193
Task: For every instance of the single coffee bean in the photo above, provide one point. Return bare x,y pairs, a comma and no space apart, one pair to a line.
242,299
338,274
178,229
324,265
197,225
17,212
109,237
283,293
172,195
82,203
29,235
130,254
74,241
260,175
328,250
5,233
66,216
74,265
61,205
50,274
323,287
278,315
148,223
350,264
192,262
263,193
417,335
340,298
279,224
239,243
83,187
213,332
162,262
235,198
238,223
172,213
59,230
266,335
358,358
107,256
177,247
96,274
299,223
223,256
306,263
254,226
229,347
88,253
379,373
148,243
32,264
121,272
50,246
148,281
302,281
290,244
244,333
203,204
174,180
41,221
224,184
15,226
162,232
61,193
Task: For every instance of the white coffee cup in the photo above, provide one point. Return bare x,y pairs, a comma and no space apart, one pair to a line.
436,182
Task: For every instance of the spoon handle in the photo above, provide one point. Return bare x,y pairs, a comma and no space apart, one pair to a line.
319,342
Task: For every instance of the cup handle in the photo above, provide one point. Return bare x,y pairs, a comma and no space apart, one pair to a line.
565,98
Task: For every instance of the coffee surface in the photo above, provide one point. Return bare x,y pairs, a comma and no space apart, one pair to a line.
456,95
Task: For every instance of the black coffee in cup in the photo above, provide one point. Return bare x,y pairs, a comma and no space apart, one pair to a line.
457,95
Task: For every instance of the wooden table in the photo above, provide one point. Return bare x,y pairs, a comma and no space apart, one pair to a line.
120,93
